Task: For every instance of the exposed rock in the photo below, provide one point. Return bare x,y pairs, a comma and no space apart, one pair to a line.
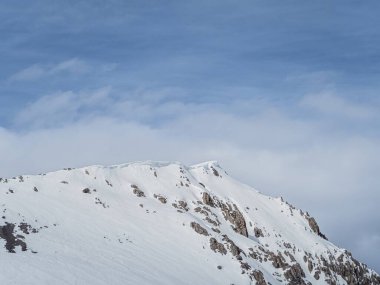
160,198
235,217
216,173
207,199
295,274
183,205
314,226
202,211
233,248
259,277
310,266
216,230
199,229
211,221
217,246
137,191
353,272
7,233
27,229
278,261
258,232
245,266
86,191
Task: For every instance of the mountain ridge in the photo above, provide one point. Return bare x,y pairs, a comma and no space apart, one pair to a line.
162,223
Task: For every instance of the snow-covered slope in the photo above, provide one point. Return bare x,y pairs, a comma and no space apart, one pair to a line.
160,223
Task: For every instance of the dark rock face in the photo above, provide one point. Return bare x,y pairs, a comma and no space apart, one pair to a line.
258,232
310,266
7,233
295,274
212,221
352,271
235,217
199,229
160,198
233,248
245,266
259,277
183,205
314,227
208,200
215,172
137,191
278,261
217,246
86,191
27,229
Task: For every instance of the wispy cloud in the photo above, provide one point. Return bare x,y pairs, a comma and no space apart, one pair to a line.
38,71
62,108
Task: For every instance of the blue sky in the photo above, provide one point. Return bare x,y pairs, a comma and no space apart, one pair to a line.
283,93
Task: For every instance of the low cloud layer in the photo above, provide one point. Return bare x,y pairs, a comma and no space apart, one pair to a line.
317,162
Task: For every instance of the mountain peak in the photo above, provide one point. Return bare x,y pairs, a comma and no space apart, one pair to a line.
163,223
207,164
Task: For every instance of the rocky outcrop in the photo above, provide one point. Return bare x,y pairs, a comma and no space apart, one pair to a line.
12,240
347,267
278,261
235,217
181,205
137,191
217,246
215,172
199,229
258,232
295,274
314,226
160,198
233,248
207,199
86,191
259,277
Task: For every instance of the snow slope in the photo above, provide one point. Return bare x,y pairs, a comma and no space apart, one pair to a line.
160,223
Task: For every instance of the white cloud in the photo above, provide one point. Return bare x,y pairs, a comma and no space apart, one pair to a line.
334,177
73,65
30,73
330,104
38,71
61,108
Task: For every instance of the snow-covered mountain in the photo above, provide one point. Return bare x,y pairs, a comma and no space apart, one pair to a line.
161,223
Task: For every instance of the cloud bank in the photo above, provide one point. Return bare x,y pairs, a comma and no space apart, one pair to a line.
318,165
